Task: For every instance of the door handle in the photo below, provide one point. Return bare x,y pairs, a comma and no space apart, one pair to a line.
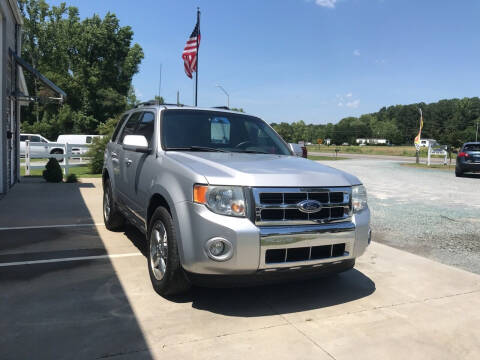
128,162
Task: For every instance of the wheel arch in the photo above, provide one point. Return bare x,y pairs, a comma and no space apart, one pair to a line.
56,149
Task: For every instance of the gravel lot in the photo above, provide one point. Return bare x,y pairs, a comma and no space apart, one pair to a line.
427,212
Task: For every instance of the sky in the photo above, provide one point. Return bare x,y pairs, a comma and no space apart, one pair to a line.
312,60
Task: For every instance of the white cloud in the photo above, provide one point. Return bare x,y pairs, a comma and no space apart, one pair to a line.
356,52
326,3
380,61
353,104
340,104
349,95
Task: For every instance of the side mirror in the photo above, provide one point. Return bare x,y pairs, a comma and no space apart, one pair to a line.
137,143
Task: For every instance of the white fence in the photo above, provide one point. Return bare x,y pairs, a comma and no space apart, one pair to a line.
42,150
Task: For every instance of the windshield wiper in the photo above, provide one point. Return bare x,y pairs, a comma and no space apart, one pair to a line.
197,148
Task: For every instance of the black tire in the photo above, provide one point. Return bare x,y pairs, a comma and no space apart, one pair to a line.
112,217
458,173
57,152
173,280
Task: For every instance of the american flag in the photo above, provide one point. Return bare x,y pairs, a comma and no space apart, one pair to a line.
190,51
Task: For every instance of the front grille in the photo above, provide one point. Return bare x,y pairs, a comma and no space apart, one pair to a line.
279,206
273,256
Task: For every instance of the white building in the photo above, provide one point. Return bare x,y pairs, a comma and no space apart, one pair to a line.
13,92
372,141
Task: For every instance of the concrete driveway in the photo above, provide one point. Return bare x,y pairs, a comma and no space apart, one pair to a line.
70,289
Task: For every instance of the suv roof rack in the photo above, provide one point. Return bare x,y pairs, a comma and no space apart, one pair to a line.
221,107
153,102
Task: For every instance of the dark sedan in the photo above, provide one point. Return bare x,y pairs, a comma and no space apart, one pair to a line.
468,158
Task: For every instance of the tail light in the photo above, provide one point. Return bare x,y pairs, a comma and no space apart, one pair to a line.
304,152
462,154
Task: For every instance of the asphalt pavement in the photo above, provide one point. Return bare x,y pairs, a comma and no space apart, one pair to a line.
70,289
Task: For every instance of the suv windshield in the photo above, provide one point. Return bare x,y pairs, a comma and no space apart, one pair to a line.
218,131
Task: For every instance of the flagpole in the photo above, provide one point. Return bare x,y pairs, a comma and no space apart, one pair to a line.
417,148
196,73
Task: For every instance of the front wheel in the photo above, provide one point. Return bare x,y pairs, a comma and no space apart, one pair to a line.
166,272
458,173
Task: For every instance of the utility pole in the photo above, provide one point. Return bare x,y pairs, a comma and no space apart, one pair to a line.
476,134
178,97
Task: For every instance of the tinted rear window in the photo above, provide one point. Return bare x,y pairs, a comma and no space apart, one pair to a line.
471,147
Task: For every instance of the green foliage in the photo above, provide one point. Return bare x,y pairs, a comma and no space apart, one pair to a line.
132,100
53,171
96,154
159,99
451,122
97,149
71,178
92,59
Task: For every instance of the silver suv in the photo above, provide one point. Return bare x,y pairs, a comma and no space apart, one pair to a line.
221,198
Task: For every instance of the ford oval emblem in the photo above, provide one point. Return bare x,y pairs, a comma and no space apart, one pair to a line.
309,206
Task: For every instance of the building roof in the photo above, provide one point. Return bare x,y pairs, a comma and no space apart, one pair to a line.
16,11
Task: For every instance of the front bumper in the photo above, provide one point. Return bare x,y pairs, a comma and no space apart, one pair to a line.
250,243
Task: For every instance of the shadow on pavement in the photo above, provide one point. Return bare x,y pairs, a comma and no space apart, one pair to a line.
285,298
471,176
61,309
272,299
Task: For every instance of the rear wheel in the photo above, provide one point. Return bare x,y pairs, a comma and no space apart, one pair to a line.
113,218
166,272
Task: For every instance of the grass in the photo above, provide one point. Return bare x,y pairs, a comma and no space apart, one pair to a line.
80,171
22,161
433,166
325,158
371,150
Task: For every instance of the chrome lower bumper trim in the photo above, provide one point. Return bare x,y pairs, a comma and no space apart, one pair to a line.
286,237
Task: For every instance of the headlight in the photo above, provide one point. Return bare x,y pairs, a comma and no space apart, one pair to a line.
359,198
223,200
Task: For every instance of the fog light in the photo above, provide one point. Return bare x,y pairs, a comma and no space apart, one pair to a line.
219,249
216,248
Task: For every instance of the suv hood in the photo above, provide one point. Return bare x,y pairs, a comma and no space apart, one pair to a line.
261,170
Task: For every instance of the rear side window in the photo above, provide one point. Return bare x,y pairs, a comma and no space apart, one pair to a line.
89,140
471,147
146,127
118,127
23,137
130,126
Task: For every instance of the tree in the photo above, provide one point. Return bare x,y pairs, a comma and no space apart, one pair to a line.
132,100
159,99
451,122
92,60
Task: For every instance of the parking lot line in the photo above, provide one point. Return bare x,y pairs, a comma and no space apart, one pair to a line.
96,257
49,226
